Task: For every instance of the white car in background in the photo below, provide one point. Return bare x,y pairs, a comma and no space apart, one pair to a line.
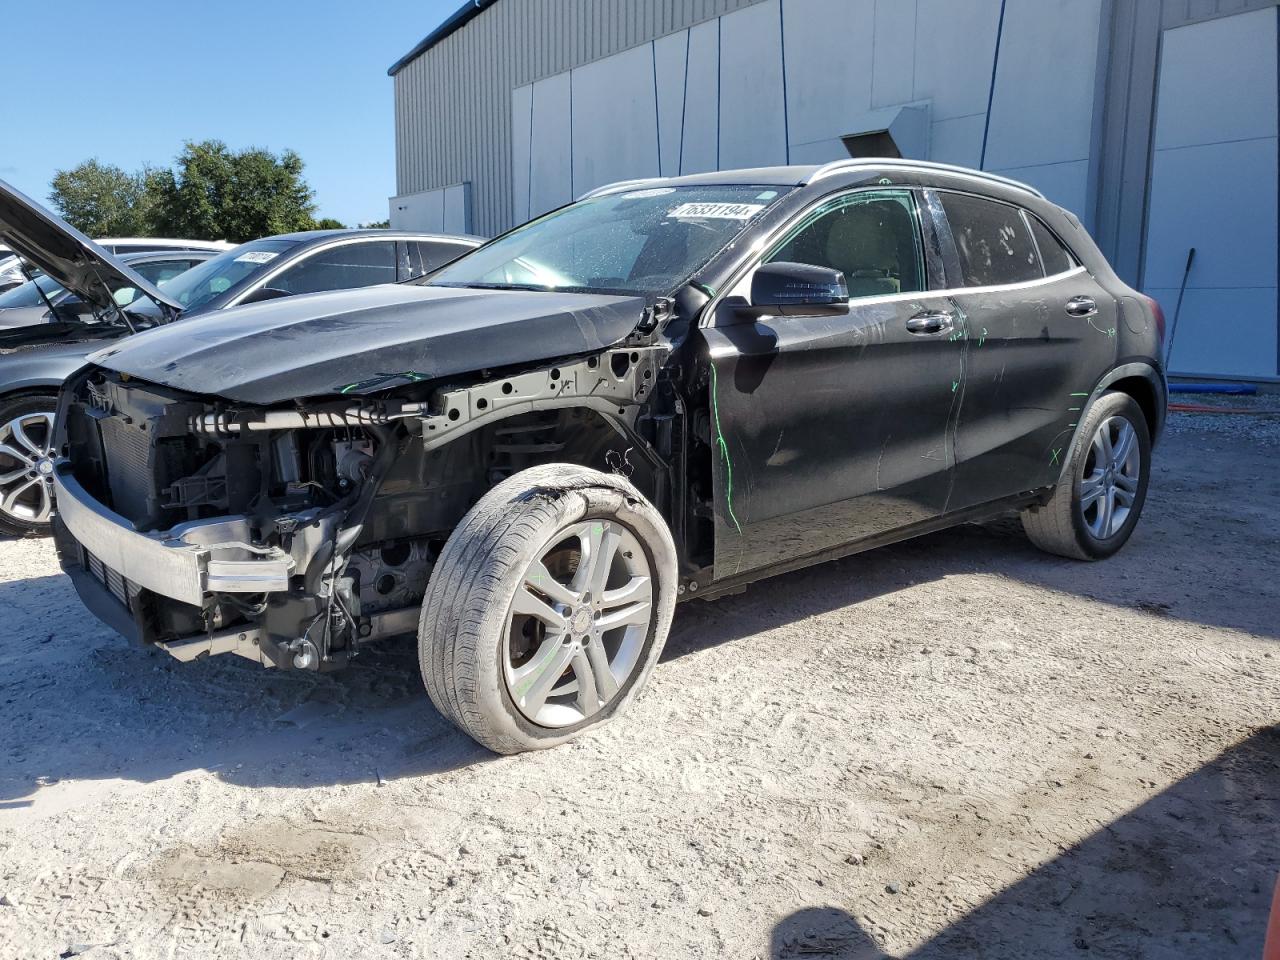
12,275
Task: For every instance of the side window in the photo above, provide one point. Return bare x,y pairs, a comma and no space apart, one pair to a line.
339,268
157,272
992,239
1055,256
870,237
425,257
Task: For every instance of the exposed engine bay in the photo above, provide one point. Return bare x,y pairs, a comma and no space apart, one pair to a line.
305,530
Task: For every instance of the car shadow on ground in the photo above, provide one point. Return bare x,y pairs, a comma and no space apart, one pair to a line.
147,717
1133,888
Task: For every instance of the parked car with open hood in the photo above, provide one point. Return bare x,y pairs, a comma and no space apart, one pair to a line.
668,389
12,273
44,300
113,299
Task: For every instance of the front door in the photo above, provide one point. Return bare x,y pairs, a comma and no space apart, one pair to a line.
833,429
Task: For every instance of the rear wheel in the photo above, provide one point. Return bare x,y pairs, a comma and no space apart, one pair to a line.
1099,498
26,464
548,607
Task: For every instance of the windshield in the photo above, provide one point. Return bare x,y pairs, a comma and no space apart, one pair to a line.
642,241
205,281
28,294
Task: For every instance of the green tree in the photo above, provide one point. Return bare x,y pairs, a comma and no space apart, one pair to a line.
102,200
328,223
219,194
376,225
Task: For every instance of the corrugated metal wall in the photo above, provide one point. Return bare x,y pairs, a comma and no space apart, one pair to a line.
453,103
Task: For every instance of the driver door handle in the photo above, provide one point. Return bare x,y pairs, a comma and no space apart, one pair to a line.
931,323
1081,307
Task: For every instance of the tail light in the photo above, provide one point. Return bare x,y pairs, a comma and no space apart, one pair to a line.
1159,315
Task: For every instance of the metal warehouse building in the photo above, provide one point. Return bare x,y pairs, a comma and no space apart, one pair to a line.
1154,120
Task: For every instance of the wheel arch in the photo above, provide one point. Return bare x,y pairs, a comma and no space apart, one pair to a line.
1139,379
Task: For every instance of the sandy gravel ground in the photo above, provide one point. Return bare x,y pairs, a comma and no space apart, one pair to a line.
957,747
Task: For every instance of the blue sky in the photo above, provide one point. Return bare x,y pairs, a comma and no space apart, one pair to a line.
128,82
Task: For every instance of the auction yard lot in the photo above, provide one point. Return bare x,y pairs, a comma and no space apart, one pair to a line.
958,746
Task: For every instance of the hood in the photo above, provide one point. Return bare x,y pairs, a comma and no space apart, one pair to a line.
360,341
66,254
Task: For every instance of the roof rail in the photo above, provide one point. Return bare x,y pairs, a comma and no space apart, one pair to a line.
855,163
614,187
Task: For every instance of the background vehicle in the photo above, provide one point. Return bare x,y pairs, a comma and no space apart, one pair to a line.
113,297
30,303
669,388
309,262
11,266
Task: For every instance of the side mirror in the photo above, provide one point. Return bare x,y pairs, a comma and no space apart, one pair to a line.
798,289
265,293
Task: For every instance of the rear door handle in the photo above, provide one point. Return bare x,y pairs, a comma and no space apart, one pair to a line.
931,323
1081,307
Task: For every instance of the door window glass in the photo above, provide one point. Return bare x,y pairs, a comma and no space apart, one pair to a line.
992,239
1055,256
426,256
870,237
340,268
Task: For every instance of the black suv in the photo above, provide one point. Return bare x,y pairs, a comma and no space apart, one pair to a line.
665,390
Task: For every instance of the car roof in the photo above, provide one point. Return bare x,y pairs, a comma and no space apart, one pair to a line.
315,236
150,256
176,244
799,176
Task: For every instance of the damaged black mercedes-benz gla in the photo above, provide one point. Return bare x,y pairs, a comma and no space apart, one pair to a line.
665,390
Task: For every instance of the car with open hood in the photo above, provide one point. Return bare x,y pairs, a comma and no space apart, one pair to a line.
86,296
666,390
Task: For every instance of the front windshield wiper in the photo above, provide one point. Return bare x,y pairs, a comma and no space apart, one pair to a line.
494,286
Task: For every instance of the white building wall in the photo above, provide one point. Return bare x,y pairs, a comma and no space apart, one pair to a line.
782,81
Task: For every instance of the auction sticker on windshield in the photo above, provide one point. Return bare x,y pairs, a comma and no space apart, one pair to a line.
716,211
257,256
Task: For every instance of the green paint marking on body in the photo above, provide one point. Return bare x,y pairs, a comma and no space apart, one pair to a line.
955,385
724,450
1053,457
983,339
1079,394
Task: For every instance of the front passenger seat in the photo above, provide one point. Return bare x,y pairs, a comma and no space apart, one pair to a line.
858,247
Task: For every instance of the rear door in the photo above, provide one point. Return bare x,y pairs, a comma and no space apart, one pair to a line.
1035,330
833,429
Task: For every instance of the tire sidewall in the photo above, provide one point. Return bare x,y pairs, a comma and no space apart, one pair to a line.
1107,406
612,503
10,408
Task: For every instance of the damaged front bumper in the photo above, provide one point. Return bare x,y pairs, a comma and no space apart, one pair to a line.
121,573
186,563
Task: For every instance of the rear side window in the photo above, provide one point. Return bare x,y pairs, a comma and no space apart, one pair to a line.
1057,259
993,241
425,256
340,268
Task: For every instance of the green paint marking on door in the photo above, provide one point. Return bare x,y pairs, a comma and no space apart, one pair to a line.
955,385
1053,457
724,450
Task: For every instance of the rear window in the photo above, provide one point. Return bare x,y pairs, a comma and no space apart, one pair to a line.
1057,259
993,241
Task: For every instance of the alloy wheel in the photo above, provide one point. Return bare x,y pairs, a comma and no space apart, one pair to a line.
26,467
1111,474
578,623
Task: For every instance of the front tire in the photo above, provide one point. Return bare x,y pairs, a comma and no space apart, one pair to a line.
548,607
1099,498
26,465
